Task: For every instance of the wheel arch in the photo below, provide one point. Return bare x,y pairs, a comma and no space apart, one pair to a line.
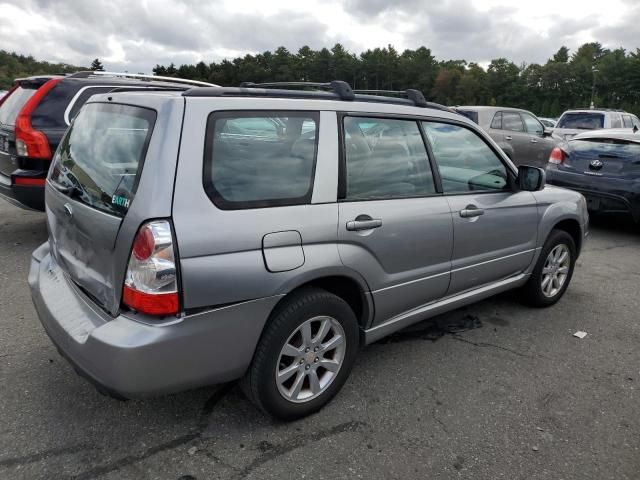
349,287
572,227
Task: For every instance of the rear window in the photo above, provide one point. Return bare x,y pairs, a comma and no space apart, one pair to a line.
470,114
13,104
581,121
101,156
260,159
607,147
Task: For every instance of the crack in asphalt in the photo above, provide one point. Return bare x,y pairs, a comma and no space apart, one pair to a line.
436,401
99,470
131,459
36,457
206,412
272,452
490,345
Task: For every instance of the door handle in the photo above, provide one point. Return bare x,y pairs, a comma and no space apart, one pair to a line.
508,137
363,222
471,211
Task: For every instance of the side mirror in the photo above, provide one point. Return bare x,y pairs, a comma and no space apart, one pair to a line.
531,179
547,132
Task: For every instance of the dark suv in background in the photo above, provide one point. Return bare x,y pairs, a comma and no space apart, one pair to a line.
35,114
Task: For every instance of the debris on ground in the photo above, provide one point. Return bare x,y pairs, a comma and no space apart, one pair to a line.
580,334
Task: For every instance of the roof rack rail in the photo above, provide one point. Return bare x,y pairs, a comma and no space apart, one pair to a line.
339,87
158,88
89,73
335,90
414,95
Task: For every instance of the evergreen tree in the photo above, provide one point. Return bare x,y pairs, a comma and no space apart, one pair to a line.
96,66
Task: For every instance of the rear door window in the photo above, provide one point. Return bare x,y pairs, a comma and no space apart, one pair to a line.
100,158
616,121
260,159
511,121
581,121
393,163
13,104
626,120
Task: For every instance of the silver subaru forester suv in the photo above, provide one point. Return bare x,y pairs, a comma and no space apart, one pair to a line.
266,234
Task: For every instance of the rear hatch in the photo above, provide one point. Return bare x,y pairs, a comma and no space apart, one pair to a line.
604,157
92,182
9,109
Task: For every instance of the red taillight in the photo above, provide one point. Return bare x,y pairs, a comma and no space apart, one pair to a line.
29,181
29,142
153,304
151,283
557,156
143,244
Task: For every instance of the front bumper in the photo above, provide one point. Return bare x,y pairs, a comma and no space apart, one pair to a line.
603,195
129,355
27,197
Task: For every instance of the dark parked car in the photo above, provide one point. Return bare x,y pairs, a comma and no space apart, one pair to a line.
34,116
518,132
603,165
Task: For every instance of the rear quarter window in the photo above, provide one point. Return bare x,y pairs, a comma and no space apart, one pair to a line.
101,156
258,159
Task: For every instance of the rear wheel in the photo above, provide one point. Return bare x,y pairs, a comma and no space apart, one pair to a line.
552,274
304,355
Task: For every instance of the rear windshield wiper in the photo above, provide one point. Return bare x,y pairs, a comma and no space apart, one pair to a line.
69,190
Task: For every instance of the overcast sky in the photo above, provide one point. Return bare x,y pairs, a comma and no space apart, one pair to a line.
135,35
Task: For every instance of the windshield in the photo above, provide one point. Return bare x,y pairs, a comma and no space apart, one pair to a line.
100,158
13,104
582,121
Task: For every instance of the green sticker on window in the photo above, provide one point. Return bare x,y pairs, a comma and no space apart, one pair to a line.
120,201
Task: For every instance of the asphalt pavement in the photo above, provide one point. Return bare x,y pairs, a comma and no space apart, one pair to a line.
492,391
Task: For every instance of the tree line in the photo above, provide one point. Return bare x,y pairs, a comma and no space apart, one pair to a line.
14,66
566,80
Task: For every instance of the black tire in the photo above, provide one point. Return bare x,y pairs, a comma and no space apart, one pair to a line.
259,383
532,293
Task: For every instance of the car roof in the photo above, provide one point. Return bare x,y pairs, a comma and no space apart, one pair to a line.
266,101
491,108
595,110
612,133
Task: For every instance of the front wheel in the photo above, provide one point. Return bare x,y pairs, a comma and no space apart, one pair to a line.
553,271
304,355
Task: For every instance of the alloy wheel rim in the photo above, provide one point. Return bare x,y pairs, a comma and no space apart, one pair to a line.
556,270
310,359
